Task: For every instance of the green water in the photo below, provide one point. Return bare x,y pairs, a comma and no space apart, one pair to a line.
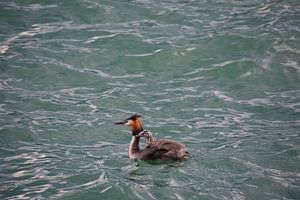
222,77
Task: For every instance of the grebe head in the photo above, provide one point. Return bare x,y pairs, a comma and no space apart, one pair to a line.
134,122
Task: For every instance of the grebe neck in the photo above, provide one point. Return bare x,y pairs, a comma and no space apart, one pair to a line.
134,148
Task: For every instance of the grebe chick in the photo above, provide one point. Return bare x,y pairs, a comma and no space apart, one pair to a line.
146,134
161,149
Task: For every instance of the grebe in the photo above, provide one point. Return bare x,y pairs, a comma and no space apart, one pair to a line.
162,149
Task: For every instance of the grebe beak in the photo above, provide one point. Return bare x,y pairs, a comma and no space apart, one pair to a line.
121,122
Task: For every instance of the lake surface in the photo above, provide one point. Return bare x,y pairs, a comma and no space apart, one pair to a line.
222,77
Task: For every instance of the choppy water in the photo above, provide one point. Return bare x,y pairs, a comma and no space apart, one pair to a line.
222,77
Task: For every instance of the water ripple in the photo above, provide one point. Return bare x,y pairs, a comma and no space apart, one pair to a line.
222,77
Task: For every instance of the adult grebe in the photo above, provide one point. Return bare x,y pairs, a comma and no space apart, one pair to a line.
162,149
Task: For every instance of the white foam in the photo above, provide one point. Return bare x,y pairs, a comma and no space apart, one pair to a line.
144,54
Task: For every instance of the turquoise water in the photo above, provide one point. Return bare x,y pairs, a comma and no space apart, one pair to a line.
222,77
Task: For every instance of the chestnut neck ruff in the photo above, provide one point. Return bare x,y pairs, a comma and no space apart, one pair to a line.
136,127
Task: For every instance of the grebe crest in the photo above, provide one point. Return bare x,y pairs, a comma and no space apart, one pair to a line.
134,122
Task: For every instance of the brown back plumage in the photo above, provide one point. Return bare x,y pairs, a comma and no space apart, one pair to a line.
164,150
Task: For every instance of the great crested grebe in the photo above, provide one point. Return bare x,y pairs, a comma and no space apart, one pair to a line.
162,149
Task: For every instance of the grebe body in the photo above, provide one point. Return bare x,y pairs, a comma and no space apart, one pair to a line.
162,149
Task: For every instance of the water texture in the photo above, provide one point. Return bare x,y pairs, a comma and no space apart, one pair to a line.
222,77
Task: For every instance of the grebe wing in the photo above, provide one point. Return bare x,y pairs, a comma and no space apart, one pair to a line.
152,152
163,150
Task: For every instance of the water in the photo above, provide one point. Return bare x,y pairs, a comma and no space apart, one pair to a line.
222,77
